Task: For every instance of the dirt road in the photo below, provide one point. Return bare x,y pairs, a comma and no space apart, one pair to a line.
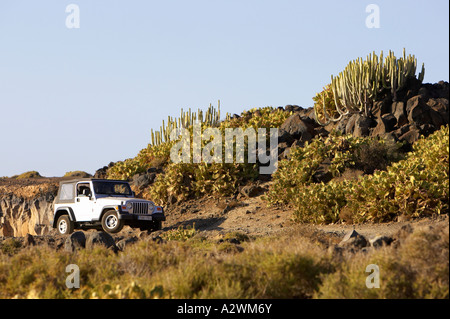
253,217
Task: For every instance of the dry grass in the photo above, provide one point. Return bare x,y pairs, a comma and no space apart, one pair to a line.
418,268
287,266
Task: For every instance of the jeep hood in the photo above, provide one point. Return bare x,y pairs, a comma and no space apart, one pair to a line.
119,200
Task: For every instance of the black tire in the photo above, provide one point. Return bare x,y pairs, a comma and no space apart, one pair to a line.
111,222
157,225
64,225
151,226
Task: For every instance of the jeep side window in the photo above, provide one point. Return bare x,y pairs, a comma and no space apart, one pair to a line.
83,189
66,192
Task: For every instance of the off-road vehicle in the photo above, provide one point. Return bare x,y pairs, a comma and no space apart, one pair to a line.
102,204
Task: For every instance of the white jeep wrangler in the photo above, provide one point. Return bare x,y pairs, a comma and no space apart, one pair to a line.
102,204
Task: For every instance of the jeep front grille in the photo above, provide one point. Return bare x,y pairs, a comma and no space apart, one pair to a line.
140,208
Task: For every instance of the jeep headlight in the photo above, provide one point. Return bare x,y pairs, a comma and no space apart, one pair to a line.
129,207
151,207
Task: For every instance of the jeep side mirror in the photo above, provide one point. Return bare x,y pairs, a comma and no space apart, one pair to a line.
133,194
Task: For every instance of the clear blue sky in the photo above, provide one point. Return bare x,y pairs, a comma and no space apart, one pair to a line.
77,99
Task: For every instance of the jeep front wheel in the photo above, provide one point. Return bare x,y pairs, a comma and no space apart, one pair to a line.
111,222
64,225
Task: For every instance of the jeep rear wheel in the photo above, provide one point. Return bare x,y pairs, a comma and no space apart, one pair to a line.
64,225
111,222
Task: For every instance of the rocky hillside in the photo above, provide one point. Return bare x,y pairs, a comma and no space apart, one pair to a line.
26,205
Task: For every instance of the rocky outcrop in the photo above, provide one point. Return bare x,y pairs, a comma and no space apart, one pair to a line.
102,172
420,109
20,216
26,205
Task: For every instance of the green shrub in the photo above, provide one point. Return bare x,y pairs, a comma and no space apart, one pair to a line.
191,180
180,234
324,105
265,117
237,235
152,156
184,181
340,152
10,246
125,170
377,155
416,186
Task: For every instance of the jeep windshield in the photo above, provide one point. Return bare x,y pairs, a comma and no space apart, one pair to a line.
112,188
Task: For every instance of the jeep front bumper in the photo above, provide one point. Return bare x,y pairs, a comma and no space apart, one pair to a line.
152,217
158,216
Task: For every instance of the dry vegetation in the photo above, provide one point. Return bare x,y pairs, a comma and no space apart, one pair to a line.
186,264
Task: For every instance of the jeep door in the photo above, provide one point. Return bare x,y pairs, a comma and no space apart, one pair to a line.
84,202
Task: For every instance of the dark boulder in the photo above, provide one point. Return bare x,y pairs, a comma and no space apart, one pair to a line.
102,239
385,125
29,240
126,242
141,181
380,241
438,111
297,128
102,172
353,240
417,110
292,108
363,124
380,108
75,241
398,111
411,135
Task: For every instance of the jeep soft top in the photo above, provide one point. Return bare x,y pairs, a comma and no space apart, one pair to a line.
67,189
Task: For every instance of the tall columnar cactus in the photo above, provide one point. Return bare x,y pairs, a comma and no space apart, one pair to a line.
186,119
357,87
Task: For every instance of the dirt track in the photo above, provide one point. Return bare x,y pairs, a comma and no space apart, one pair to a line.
253,217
